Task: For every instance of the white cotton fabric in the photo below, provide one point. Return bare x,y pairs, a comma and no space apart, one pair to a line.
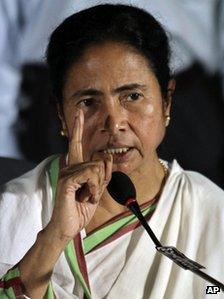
189,216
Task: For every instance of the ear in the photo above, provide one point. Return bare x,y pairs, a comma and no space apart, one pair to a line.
62,119
169,96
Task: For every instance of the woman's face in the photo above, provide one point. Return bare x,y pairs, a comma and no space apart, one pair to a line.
122,104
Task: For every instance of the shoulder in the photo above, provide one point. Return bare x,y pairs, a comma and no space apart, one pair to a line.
196,186
25,207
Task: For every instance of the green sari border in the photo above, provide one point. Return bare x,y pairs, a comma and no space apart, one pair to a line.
69,251
93,240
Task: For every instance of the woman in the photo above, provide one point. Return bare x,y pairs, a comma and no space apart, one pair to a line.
110,77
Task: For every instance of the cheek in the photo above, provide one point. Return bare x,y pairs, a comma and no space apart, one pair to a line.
149,109
144,115
150,125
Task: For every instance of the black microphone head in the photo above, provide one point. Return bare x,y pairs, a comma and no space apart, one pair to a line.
121,187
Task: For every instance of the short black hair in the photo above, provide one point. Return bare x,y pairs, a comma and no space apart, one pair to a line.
107,22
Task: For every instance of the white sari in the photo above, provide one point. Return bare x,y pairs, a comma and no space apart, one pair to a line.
189,215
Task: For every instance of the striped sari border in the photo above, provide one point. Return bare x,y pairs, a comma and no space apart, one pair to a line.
121,232
12,283
81,258
72,260
73,251
121,215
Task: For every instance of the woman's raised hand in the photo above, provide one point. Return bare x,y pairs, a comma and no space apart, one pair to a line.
80,187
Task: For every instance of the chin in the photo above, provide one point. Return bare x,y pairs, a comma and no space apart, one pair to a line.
123,167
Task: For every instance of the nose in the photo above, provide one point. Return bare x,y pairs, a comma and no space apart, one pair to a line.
114,119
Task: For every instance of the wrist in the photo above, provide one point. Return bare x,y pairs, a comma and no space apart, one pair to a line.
52,235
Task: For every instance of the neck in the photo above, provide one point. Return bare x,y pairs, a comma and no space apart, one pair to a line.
148,183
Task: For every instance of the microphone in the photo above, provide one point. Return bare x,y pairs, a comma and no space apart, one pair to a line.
123,191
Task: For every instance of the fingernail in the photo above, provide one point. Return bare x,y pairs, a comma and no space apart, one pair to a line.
110,158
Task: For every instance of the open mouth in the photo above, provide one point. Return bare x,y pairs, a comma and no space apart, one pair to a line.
114,151
120,154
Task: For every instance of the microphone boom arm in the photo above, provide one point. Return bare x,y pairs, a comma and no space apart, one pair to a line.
171,252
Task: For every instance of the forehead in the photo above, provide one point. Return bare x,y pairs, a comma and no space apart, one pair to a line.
109,64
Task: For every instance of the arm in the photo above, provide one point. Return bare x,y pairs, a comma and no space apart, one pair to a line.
79,189
37,265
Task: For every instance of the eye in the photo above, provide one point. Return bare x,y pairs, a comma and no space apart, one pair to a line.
86,102
134,96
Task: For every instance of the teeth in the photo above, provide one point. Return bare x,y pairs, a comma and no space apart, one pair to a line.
116,150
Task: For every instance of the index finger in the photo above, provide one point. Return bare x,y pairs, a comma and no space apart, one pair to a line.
75,153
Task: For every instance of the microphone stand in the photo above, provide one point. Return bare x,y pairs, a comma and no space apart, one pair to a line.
171,252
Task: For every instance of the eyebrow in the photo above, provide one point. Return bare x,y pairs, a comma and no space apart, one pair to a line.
87,92
129,87
96,92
